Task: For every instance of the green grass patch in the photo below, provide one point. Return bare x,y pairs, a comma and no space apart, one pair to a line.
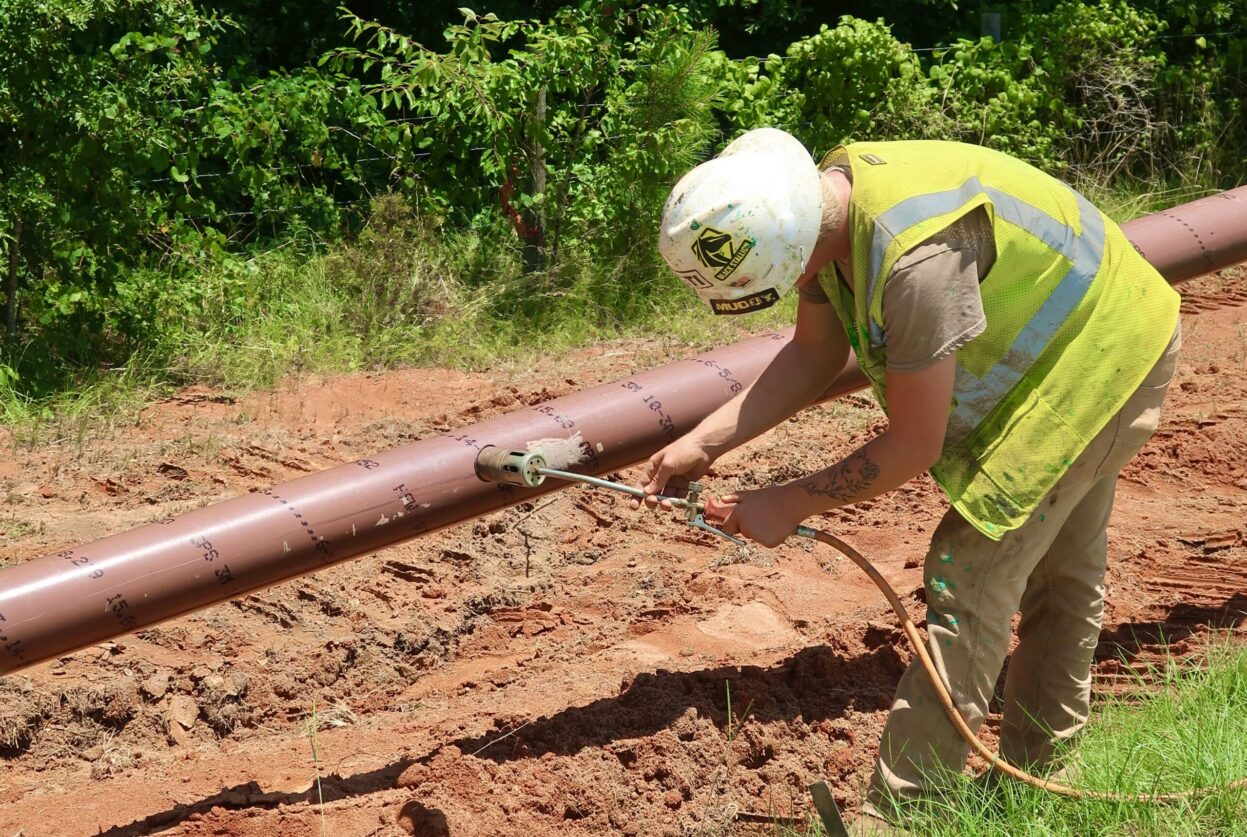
456,304
88,405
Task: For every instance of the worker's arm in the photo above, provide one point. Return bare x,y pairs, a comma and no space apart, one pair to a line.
918,415
798,374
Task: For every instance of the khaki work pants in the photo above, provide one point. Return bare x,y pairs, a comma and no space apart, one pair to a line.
1052,570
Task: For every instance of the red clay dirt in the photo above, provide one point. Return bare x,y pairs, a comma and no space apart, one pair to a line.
558,668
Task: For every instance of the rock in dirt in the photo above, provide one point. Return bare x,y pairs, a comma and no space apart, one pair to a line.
177,734
156,686
183,710
173,472
417,819
413,777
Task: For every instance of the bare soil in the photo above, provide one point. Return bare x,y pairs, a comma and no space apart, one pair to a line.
558,668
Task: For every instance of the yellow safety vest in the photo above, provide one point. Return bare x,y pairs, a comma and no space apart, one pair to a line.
1075,317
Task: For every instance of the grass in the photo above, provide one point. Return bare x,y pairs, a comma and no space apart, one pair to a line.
1186,731
734,721
13,529
78,411
401,297
1126,199
312,725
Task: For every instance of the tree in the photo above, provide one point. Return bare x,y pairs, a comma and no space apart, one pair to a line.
89,92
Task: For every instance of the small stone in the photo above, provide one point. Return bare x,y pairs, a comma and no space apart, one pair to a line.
235,685
156,686
183,710
414,776
417,819
177,734
672,799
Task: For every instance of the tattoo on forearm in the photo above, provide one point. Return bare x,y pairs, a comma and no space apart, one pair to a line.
845,480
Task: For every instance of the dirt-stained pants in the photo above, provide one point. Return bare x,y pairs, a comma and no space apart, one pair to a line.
1052,569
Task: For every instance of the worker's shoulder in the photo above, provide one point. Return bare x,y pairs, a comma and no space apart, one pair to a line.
971,233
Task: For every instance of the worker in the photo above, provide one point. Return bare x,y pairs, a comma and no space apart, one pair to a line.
1021,350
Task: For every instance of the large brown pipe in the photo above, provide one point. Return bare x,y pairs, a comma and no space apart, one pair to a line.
1194,238
71,599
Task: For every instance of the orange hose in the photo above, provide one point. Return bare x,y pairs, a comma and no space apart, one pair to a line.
950,709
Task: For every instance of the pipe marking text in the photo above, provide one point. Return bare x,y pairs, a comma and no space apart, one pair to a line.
13,646
664,420
80,561
121,609
726,374
321,545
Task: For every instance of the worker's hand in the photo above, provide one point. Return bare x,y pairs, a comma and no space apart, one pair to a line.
764,515
671,468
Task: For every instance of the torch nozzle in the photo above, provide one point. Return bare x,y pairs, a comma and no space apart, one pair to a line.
512,467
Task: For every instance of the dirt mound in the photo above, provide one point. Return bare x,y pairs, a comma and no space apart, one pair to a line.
563,667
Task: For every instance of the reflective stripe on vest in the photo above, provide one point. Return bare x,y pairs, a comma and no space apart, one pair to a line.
976,397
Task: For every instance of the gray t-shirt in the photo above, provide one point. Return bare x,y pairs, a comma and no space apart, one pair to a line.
931,301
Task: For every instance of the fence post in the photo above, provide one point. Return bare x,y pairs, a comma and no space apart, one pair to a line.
10,285
535,217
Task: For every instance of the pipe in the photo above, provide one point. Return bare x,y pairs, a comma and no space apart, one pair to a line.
123,583
1194,238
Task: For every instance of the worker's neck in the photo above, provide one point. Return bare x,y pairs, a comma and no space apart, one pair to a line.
834,245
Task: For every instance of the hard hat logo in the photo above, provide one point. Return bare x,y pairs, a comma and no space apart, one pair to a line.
715,249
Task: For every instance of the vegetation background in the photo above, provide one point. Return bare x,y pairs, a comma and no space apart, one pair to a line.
227,192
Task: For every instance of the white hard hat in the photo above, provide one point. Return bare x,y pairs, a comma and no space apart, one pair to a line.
740,228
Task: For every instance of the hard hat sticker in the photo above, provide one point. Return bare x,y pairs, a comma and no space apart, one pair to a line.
694,278
746,304
715,249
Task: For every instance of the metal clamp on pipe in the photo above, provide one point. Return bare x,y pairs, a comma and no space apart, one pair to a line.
528,468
